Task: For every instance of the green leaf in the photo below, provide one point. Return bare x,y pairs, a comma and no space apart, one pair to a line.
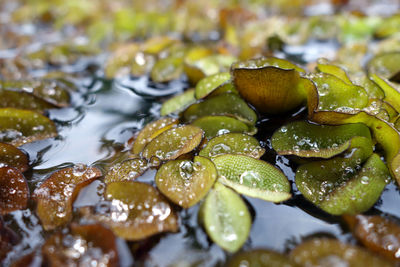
305,139
178,102
14,191
19,126
137,211
186,182
167,69
225,104
385,65
252,177
271,85
233,143
174,142
57,193
217,125
10,156
325,67
331,252
206,85
392,95
260,257
151,131
335,94
226,87
127,170
23,100
226,218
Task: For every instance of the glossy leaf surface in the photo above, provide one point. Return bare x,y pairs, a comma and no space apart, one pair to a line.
217,125
186,182
208,84
14,192
129,169
13,157
178,102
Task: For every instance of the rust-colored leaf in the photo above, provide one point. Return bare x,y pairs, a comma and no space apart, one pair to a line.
14,192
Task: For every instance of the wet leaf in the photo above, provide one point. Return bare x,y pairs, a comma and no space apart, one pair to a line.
186,182
217,125
57,193
225,104
178,102
167,69
22,100
226,87
174,142
305,139
271,85
331,252
260,257
10,156
150,131
51,90
90,244
19,126
324,66
252,177
142,64
342,185
386,66
206,85
232,143
135,211
392,95
377,233
14,192
121,59
128,170
335,94
226,218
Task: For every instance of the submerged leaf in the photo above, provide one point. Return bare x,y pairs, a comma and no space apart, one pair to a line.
150,131
233,143
135,211
252,177
129,169
217,125
174,142
260,257
331,252
90,244
208,84
272,85
186,182
57,193
19,126
14,192
226,218
178,102
305,139
377,233
225,104
10,156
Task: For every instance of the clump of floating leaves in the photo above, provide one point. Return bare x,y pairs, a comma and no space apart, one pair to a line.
211,148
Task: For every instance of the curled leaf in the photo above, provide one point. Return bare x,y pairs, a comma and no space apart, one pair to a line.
226,218
19,126
186,182
217,125
272,85
14,192
386,66
225,104
11,156
392,95
252,177
206,85
331,252
232,143
91,244
150,131
134,211
260,257
129,169
305,139
377,233
174,142
178,102
57,193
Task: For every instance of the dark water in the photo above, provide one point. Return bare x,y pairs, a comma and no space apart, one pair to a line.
105,114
